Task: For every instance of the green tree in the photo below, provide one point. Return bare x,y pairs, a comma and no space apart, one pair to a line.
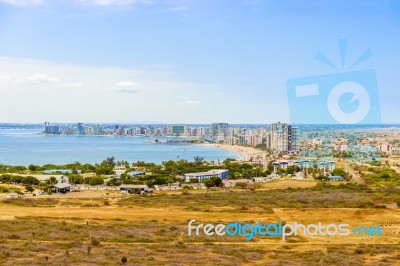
113,182
5,178
32,167
216,180
52,180
270,167
321,177
198,160
76,179
110,161
339,172
29,188
246,166
290,169
209,183
87,168
30,180
95,180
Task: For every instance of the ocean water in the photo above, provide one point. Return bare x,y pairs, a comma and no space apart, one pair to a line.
26,146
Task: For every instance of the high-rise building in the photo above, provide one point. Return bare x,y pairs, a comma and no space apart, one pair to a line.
219,129
268,140
285,138
80,129
176,130
202,131
49,129
98,130
194,131
88,130
294,140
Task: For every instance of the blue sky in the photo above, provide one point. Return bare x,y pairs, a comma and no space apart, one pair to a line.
183,61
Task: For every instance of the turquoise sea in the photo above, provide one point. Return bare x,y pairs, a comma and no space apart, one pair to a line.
26,146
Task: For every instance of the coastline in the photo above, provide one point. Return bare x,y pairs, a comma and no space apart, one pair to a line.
243,152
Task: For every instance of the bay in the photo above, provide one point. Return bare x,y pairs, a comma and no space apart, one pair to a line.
27,146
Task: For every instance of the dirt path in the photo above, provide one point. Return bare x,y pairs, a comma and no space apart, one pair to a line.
355,176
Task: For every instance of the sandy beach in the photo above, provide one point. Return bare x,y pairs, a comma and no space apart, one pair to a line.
245,153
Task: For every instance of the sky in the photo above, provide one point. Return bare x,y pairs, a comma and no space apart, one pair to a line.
187,61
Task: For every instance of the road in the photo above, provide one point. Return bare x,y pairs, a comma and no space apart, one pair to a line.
355,176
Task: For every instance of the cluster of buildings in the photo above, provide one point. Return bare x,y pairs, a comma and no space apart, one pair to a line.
323,164
280,137
94,129
352,145
125,130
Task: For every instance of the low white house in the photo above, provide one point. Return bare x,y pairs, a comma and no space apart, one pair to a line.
62,185
173,186
135,189
268,178
262,179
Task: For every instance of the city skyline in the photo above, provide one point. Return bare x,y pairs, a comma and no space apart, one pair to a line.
182,61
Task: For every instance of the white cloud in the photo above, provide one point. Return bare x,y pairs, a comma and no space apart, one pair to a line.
192,102
39,79
5,78
126,84
125,87
22,2
76,85
43,79
177,9
127,90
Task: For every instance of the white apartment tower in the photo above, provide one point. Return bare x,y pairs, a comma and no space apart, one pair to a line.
285,138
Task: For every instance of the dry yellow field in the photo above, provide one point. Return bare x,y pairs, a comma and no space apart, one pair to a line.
103,227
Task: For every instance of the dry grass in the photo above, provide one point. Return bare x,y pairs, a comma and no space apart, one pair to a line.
288,183
152,230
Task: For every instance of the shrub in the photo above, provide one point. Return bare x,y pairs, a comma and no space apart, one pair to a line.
14,236
94,242
241,185
209,183
4,189
244,208
358,251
